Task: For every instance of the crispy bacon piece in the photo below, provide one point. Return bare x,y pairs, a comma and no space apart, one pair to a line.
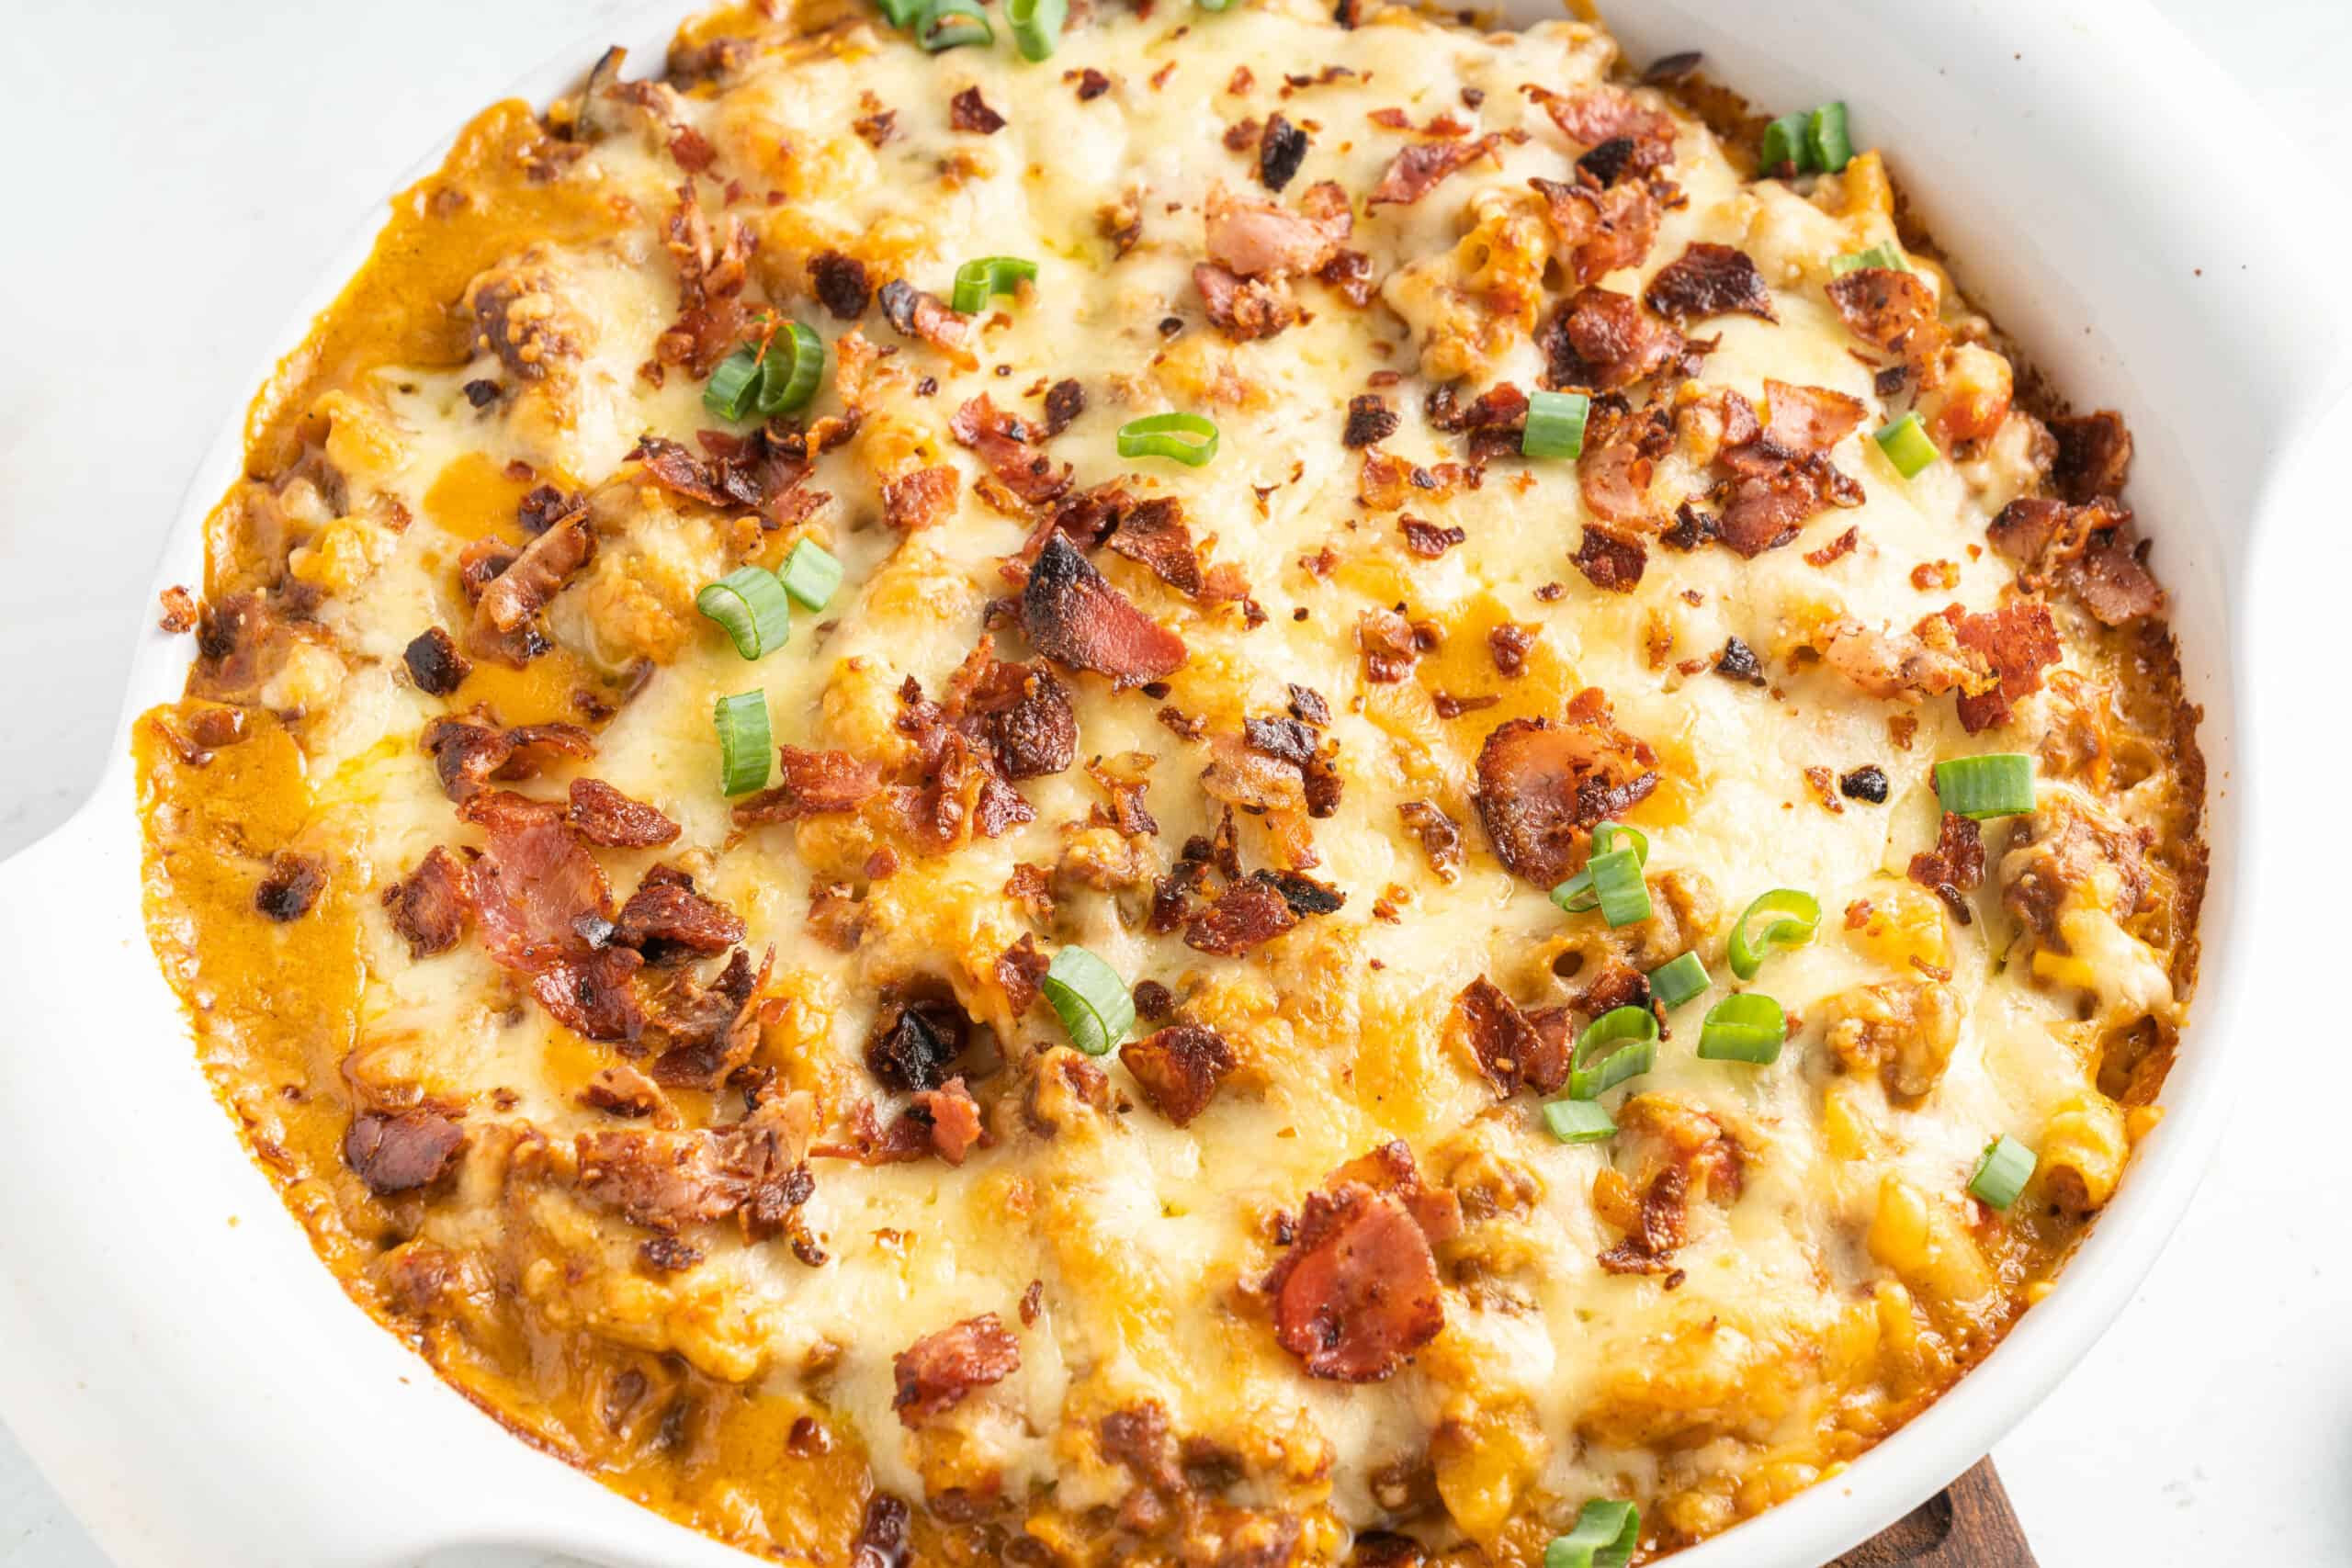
1955,865
955,1119
1357,1292
915,314
1610,562
840,284
1003,443
761,471
1019,712
1621,452
177,610
815,783
704,1030
1781,476
603,815
1020,968
1390,647
1440,836
666,919
1417,169
1280,150
710,279
1426,539
1246,915
1679,1151
401,1154
969,111
1264,240
1601,114
592,993
434,663
622,1090
432,905
1065,400
1179,1069
2018,640
291,885
536,885
470,751
754,1170
1080,622
1387,483
1509,1048
2094,456
1370,421
1604,340
2092,551
1890,308
1543,786
1153,534
1710,280
1803,421
921,498
505,624
937,1372
914,1039
1598,228
1244,309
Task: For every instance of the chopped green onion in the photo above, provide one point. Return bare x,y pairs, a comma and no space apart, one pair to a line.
978,282
1825,138
1190,438
1785,145
1605,1537
734,388
1577,895
1678,980
1606,834
1555,424
794,364
1906,446
1999,784
947,24
1213,4
743,746
1591,1071
1611,882
1036,26
1578,1121
900,13
1886,253
2002,1173
1800,915
1746,1026
1095,1004
750,603
810,574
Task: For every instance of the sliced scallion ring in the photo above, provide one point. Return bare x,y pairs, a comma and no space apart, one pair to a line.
949,24
1578,1121
751,603
1606,1534
744,749
1190,438
2003,1171
1615,1046
1555,424
1886,253
794,366
1796,916
1785,145
1036,28
1095,1005
1998,783
978,282
1679,980
1906,444
900,13
1579,892
1746,1026
810,574
734,388
1825,138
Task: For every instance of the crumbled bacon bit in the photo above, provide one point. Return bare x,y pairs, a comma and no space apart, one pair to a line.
814,784
1390,647
1599,226
1245,915
967,111
1078,620
1928,576
2091,552
1003,443
1507,645
1244,309
1092,84
1179,1070
1280,153
919,499
603,815
2094,456
179,612
1350,272
1509,1049
291,885
1739,663
1306,704
1370,419
1357,1292
1065,400
1955,865
471,750
401,1154
1604,340
1867,783
1836,548
840,284
1417,169
1543,786
1263,239
1440,836
1428,540
916,314
938,1371
1821,780
1891,309
1610,562
506,622
1603,113
1710,280
2018,640
432,906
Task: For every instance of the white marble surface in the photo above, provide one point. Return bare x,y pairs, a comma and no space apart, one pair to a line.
2213,1424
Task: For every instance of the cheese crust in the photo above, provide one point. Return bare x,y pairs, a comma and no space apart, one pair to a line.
728,1149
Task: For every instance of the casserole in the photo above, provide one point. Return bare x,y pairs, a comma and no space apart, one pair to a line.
2221,743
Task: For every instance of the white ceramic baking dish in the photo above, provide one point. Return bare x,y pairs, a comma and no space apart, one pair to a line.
201,1392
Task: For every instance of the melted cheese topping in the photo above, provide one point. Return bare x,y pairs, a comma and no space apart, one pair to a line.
1813,1302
